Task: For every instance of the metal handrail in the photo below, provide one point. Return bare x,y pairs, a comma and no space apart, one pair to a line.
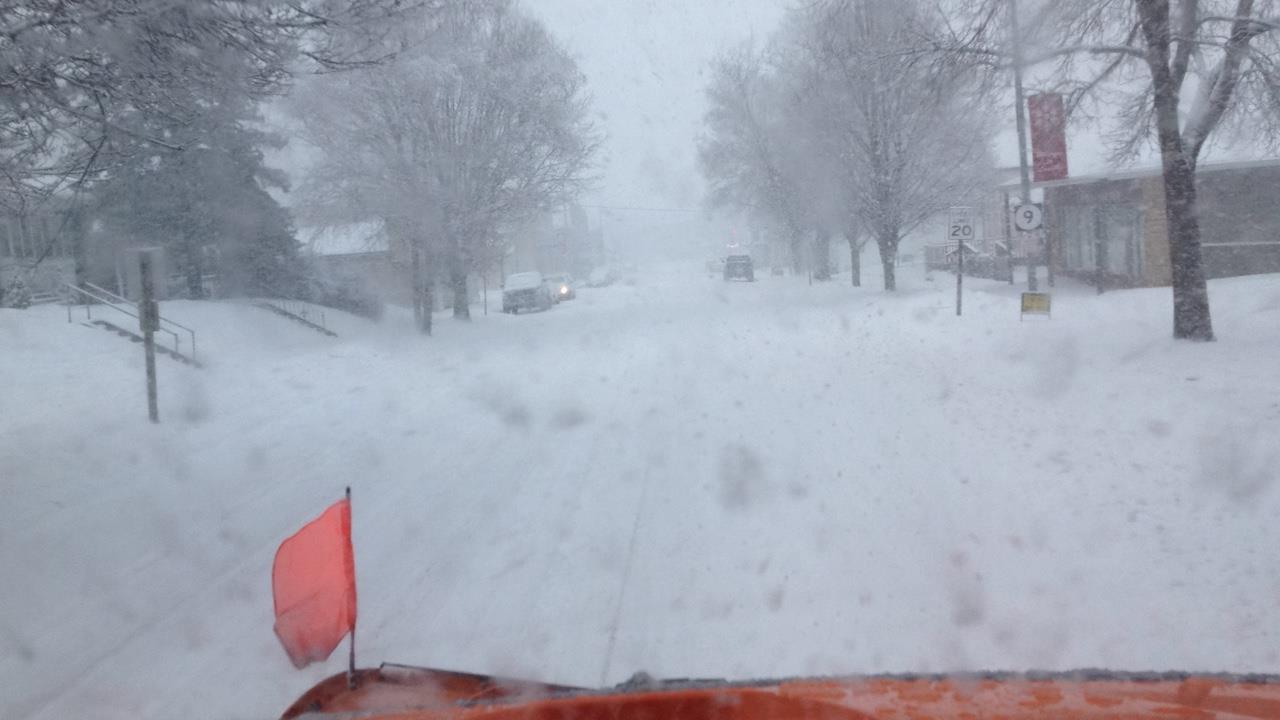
105,300
163,320
299,308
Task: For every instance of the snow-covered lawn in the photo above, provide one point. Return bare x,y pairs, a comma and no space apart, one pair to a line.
685,477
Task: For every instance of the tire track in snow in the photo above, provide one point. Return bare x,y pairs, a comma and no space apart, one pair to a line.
662,439
626,576
607,443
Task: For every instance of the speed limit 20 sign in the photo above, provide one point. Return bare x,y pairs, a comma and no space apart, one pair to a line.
1028,217
960,225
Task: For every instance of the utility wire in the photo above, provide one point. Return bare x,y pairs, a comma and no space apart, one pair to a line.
641,209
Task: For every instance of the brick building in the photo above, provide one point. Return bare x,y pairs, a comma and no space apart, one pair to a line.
1112,227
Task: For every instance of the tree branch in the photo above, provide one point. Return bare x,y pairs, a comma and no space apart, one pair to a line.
1222,83
1184,38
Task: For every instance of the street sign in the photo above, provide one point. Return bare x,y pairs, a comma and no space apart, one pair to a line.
1028,217
960,225
960,231
1036,303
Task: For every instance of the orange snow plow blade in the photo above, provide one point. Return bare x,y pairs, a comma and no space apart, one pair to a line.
395,692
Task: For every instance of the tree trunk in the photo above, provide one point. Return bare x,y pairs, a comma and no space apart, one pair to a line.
421,306
461,303
194,270
855,264
1191,318
822,255
415,286
888,244
79,249
796,243
428,295
890,279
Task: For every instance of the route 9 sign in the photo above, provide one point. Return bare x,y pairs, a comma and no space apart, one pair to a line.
1028,217
960,225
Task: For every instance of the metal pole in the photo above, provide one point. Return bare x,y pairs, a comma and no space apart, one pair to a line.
1008,236
808,262
1099,250
484,282
1019,103
1048,242
959,274
416,285
147,318
351,649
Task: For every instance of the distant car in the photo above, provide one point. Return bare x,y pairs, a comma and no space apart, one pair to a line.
715,267
603,276
739,267
526,291
562,286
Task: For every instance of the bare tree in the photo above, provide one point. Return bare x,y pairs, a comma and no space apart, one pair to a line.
744,153
481,125
842,128
1179,71
910,137
818,139
374,163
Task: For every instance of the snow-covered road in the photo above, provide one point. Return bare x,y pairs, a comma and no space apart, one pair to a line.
685,477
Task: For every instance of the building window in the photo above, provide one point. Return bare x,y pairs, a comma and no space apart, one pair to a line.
1120,232
1113,231
1077,230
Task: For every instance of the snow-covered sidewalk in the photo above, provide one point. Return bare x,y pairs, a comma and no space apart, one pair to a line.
685,477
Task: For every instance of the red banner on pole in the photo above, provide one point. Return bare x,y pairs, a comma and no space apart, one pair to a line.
1048,136
313,582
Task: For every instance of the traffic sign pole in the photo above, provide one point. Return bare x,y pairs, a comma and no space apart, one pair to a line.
149,319
1022,128
960,227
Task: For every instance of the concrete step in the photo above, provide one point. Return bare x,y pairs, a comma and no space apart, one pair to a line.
136,338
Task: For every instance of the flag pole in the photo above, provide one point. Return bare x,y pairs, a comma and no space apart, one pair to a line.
351,650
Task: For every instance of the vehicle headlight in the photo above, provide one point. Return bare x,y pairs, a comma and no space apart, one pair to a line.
564,289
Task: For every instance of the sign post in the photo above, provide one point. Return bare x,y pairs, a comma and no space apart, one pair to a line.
960,229
1029,218
1020,116
1008,236
149,319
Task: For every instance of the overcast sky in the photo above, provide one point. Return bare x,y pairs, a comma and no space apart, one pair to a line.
646,62
646,65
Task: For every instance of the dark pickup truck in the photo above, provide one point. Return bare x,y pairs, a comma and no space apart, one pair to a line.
739,267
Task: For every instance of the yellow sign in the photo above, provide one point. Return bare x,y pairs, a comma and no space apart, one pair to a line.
1036,304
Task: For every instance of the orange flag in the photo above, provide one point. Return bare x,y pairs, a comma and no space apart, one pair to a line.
313,581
